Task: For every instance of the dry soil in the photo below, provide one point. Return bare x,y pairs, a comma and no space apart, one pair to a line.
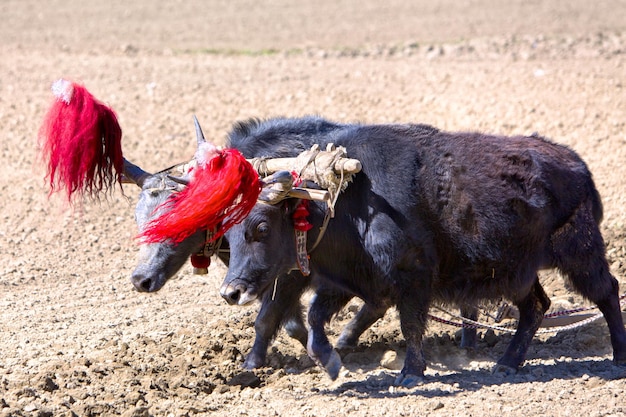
77,340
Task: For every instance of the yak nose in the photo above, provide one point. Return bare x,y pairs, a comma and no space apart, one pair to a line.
142,283
231,294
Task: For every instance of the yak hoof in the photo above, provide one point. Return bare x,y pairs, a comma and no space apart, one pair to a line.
409,380
619,362
253,362
333,365
503,370
345,344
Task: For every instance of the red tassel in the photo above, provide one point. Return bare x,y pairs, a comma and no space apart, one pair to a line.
81,142
300,215
200,261
221,193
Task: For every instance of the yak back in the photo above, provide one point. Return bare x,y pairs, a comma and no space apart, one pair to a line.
501,198
484,206
479,206
280,137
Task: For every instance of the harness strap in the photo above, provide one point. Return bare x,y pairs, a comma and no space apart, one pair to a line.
202,259
302,257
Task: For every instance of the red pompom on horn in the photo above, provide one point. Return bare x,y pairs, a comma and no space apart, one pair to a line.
223,189
81,142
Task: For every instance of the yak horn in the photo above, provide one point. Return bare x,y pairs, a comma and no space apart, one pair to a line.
310,194
281,177
199,135
179,180
276,187
279,186
133,174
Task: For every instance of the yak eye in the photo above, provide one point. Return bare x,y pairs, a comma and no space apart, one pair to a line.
262,229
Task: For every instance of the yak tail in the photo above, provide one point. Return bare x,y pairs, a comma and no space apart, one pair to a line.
80,139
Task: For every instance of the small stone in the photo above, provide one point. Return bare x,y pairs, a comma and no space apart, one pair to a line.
390,360
137,412
245,379
49,385
490,338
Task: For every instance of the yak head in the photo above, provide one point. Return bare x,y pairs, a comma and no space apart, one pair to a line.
80,141
157,262
263,245
262,248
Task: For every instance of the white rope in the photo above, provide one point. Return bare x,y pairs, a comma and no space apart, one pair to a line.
512,327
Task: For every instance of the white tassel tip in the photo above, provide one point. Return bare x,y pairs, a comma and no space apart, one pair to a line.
63,90
205,152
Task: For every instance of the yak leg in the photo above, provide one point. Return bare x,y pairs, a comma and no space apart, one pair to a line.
531,310
294,321
579,252
413,305
598,285
324,305
366,316
468,334
610,308
282,307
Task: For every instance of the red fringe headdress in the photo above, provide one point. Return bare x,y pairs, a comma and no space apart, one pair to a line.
221,176
82,144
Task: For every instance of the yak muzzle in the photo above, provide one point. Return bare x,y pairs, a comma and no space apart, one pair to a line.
145,282
237,294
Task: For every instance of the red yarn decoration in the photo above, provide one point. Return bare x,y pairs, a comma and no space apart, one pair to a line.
200,261
301,212
81,142
222,192
300,215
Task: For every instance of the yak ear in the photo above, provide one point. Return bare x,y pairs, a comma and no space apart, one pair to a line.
289,205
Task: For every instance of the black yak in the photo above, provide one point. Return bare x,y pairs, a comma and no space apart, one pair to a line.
439,217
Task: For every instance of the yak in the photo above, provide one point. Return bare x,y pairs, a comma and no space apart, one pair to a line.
274,138
80,138
158,262
438,217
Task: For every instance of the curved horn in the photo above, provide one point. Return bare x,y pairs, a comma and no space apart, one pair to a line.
206,150
134,174
179,180
279,186
280,177
276,187
199,135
